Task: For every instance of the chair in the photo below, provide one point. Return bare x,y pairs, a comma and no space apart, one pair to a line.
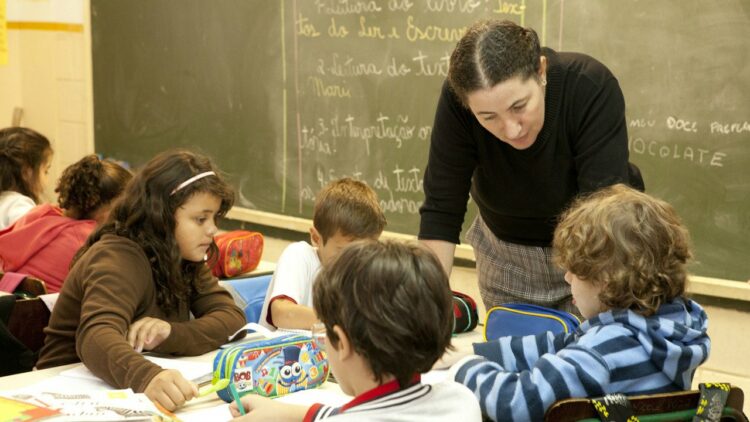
677,406
23,317
249,294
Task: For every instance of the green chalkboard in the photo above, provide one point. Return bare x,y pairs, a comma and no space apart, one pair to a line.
289,94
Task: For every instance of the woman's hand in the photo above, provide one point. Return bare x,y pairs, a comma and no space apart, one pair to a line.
264,409
170,389
148,333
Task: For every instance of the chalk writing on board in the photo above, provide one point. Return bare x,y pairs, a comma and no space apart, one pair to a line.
673,151
729,128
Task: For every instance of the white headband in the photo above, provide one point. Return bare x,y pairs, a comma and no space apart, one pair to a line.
191,180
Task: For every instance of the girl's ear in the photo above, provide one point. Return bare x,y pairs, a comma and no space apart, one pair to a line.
28,176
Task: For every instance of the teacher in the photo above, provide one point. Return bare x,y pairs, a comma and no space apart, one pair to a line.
525,130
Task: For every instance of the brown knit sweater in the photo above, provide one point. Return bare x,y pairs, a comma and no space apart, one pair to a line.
111,287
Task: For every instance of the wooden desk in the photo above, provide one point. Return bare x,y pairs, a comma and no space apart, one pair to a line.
211,407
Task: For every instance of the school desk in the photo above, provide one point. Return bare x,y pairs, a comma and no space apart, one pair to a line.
209,407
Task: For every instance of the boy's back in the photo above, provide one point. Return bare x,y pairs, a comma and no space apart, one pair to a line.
445,401
293,279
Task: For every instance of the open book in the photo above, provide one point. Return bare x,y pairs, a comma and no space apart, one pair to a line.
110,405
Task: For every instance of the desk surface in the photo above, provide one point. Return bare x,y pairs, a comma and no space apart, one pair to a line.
210,407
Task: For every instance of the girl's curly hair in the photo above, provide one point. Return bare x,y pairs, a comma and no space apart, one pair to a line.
90,183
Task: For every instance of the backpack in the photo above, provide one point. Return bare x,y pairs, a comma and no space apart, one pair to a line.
522,319
465,317
239,252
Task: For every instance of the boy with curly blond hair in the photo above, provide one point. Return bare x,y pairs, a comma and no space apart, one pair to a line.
625,255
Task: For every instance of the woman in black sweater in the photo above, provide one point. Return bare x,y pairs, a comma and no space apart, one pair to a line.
525,129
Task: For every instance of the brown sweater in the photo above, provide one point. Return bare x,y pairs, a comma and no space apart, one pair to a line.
110,288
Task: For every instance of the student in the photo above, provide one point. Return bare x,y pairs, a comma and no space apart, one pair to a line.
388,315
25,159
345,210
141,283
42,242
624,254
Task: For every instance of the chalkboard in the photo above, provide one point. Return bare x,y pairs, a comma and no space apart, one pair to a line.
289,94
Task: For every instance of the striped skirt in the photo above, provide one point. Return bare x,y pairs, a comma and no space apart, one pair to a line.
513,273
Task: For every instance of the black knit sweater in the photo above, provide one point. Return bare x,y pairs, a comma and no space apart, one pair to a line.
582,146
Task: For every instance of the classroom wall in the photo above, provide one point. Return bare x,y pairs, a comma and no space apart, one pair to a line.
49,75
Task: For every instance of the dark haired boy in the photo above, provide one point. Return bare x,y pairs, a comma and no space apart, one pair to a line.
387,312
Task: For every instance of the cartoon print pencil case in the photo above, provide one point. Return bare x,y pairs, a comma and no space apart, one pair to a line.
522,319
239,252
271,367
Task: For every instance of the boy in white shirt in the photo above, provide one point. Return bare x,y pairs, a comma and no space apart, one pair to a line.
345,210
387,309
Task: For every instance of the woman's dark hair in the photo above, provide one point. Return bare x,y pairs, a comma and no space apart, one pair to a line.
491,52
145,214
394,303
20,149
90,183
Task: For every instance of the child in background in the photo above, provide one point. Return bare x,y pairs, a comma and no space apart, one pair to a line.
42,242
388,315
345,210
25,159
141,283
625,254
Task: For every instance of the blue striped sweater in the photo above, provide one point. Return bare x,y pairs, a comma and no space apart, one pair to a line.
518,378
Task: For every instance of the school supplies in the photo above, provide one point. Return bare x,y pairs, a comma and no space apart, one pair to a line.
465,316
18,410
236,398
271,367
110,405
520,319
213,387
239,252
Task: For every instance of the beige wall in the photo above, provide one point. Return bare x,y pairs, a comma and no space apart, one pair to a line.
48,75
729,360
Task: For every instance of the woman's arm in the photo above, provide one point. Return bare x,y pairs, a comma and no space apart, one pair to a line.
447,179
444,251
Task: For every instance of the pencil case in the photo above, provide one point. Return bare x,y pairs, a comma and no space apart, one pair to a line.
239,252
465,316
271,367
522,319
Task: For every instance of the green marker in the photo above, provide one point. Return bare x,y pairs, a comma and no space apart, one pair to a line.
236,397
212,388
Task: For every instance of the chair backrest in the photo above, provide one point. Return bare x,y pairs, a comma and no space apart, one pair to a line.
28,315
29,286
677,406
249,294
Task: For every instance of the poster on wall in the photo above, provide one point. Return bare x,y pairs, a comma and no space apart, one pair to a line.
49,11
